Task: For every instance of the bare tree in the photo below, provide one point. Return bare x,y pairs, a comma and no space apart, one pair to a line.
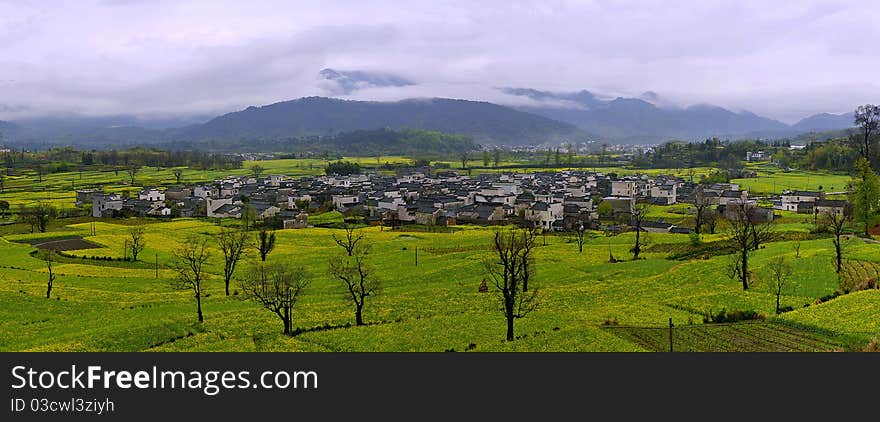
132,170
138,241
350,241
702,206
747,234
711,219
780,272
464,159
189,262
798,238
527,259
47,256
357,278
178,174
867,118
579,236
836,224
509,272
277,287
248,216
234,244
639,213
265,243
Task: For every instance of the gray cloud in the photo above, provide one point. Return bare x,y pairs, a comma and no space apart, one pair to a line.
784,59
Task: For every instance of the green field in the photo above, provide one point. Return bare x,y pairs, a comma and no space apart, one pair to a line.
435,306
772,180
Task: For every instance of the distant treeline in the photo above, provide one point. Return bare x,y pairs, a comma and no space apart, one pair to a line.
709,153
837,155
64,159
383,141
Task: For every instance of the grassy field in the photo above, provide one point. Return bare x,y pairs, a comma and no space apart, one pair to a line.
772,180
435,306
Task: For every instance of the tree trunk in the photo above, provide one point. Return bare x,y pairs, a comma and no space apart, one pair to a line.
199,307
227,286
636,248
777,302
510,328
745,268
48,289
839,254
359,315
285,317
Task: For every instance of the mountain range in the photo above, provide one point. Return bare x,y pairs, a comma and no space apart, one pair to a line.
550,118
649,118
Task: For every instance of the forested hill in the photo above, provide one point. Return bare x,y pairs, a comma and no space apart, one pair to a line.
485,123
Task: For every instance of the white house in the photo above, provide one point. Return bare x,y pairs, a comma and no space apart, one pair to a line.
345,201
212,205
151,194
102,202
623,188
544,214
790,200
664,194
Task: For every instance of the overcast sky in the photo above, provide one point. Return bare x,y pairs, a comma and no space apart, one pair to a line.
782,59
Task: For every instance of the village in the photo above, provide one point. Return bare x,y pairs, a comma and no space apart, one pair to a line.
553,201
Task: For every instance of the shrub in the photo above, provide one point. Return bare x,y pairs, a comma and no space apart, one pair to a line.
734,316
695,238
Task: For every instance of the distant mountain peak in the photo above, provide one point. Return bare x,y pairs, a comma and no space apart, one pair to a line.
650,96
582,98
342,82
825,121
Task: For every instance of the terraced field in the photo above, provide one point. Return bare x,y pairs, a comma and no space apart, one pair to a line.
433,306
734,337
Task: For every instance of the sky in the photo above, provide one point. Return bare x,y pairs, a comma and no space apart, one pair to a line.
781,59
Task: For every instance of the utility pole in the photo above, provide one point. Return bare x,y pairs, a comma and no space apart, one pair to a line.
670,334
417,256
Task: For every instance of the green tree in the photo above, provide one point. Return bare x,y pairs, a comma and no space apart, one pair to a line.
38,216
485,158
265,243
496,157
178,174
257,170
865,195
343,168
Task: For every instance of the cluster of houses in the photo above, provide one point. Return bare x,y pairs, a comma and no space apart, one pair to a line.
808,202
550,200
